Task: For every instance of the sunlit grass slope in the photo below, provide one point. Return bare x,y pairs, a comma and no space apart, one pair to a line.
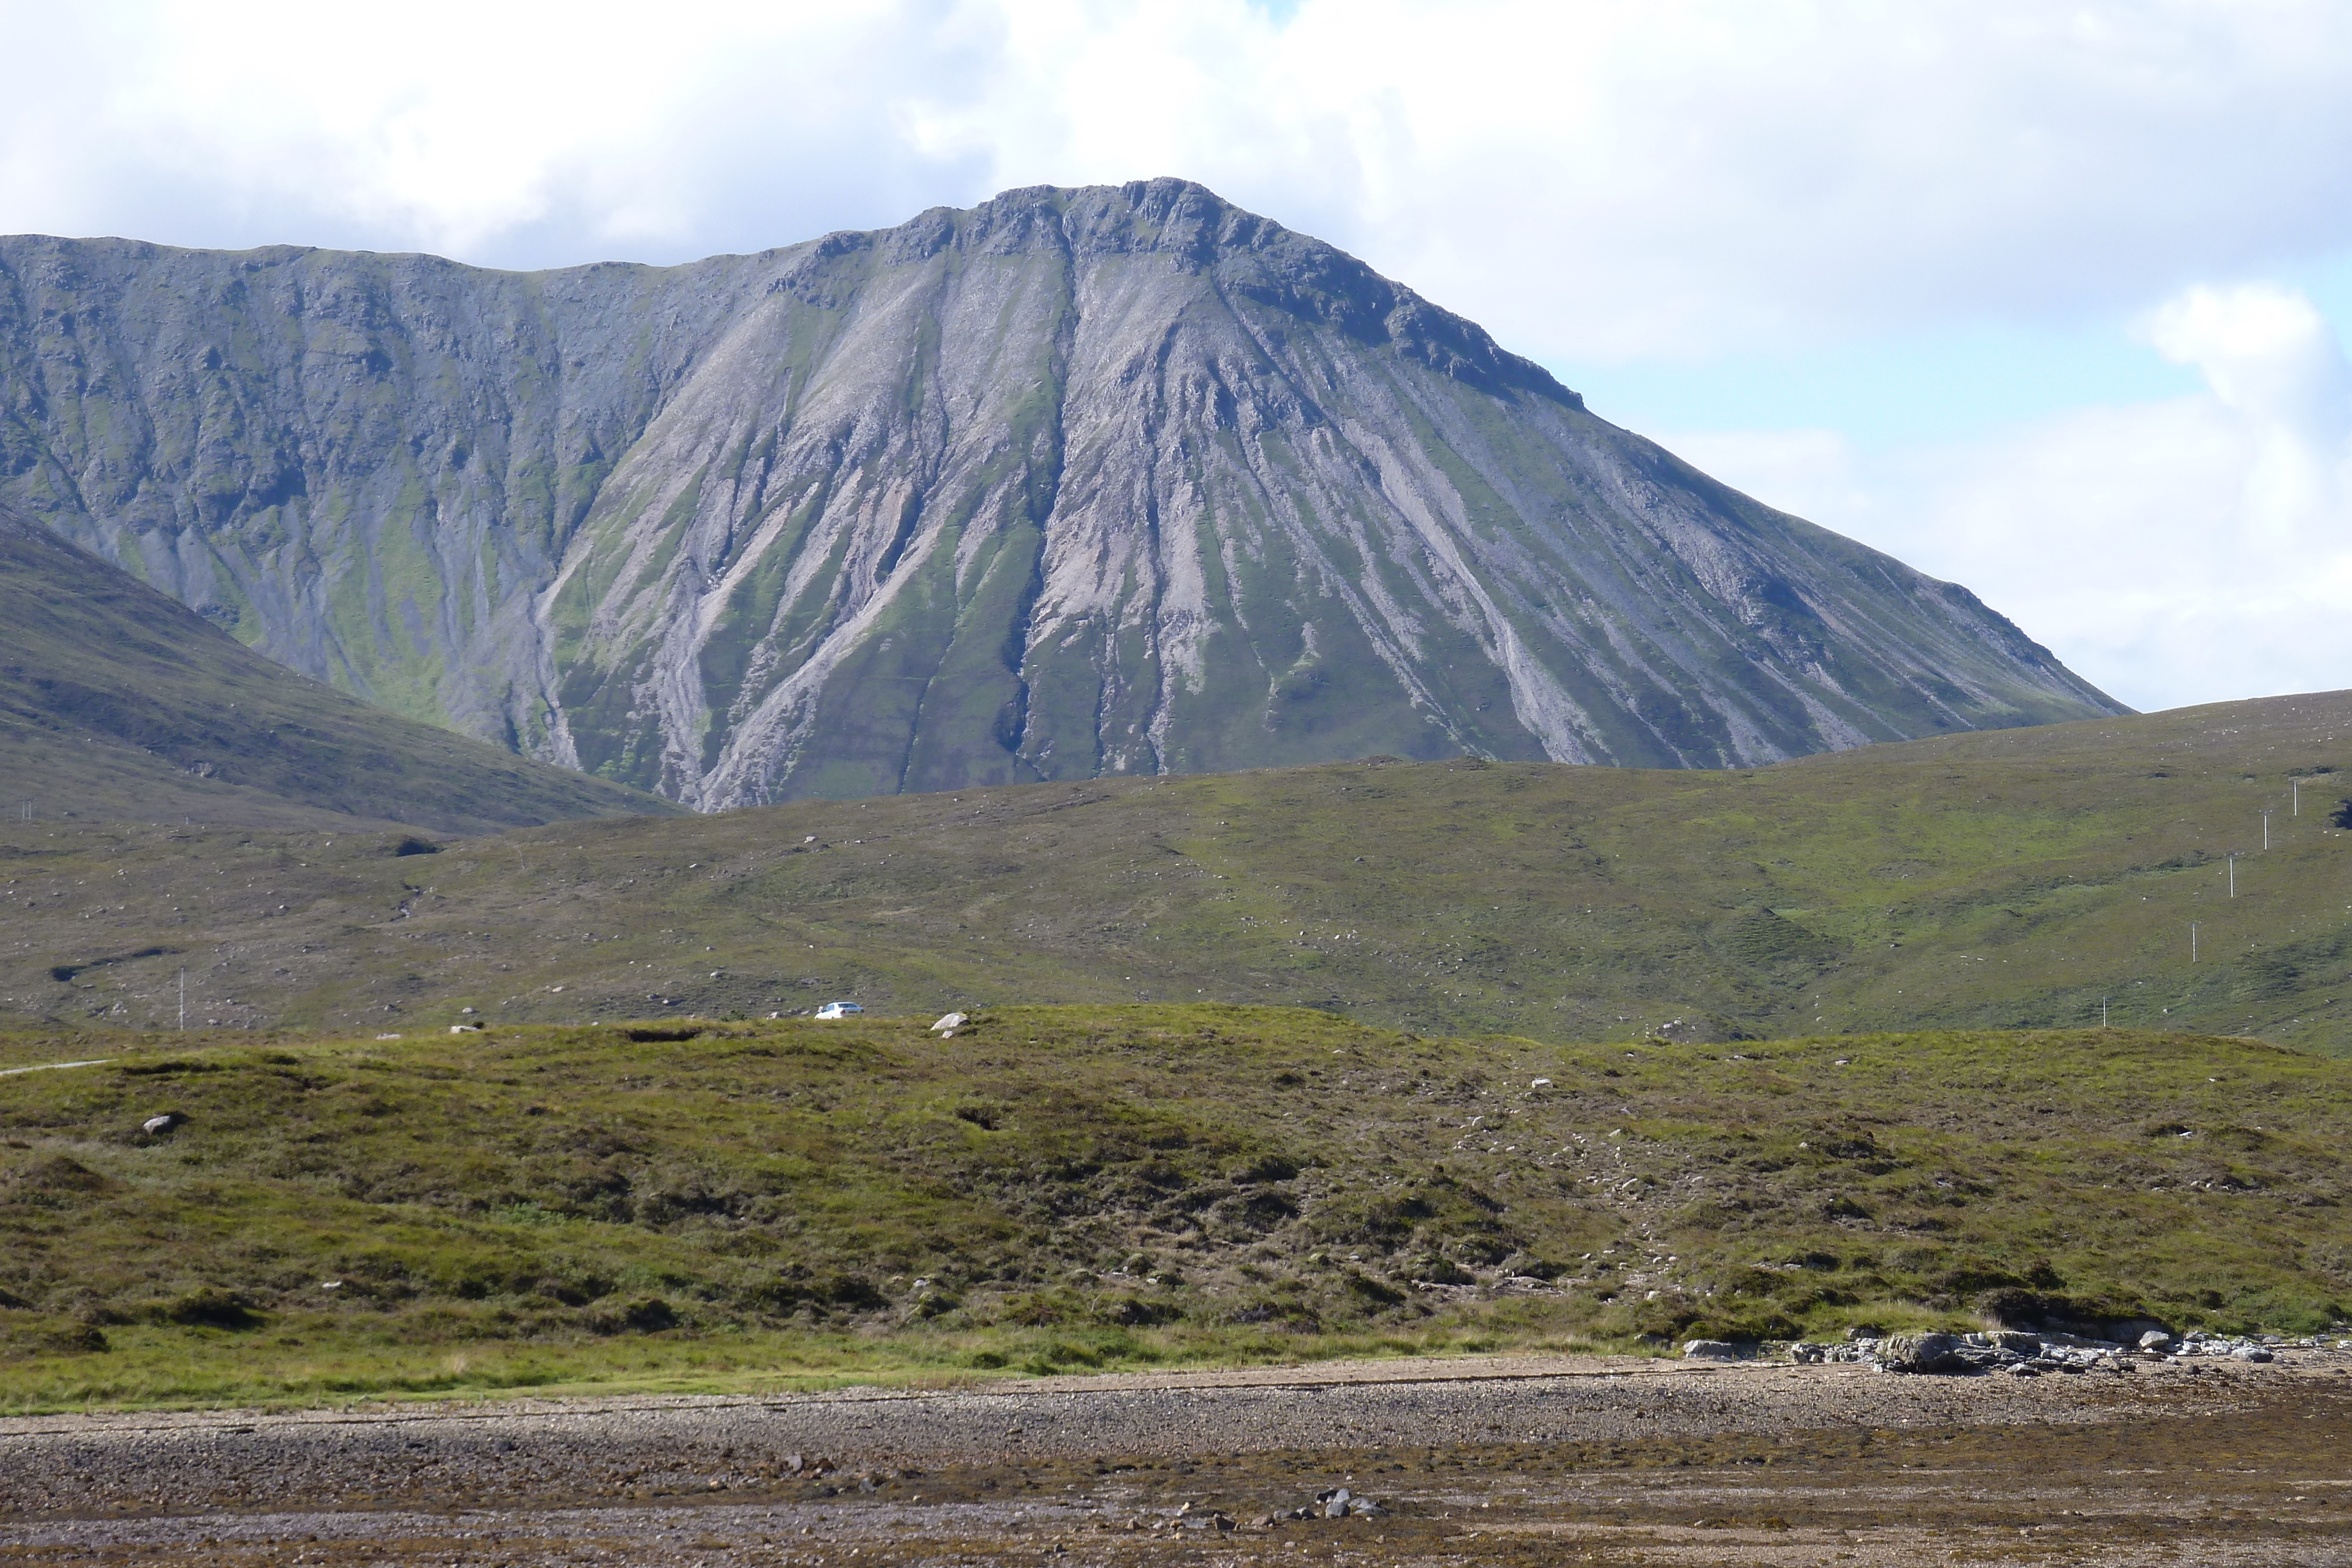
2024,879
701,1206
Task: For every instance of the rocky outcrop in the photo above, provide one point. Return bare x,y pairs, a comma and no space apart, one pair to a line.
2027,1355
1077,482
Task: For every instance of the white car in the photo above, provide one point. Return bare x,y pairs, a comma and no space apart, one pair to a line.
839,1010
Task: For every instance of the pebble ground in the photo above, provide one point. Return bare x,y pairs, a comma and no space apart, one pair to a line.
1493,1460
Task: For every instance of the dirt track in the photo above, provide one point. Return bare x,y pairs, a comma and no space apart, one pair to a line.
1581,1460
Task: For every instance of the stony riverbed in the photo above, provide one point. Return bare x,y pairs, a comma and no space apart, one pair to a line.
1498,1461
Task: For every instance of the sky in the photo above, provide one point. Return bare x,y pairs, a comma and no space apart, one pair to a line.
2042,297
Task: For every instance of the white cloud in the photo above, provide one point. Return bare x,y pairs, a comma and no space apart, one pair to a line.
2272,361
1592,179
515,134
1601,180
2189,550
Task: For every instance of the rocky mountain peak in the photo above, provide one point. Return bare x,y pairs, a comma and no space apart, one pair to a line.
1077,481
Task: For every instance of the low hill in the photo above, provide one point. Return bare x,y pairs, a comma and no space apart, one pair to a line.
117,702
680,1205
2023,879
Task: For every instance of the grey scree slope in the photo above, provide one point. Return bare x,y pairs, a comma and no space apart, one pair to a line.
1089,481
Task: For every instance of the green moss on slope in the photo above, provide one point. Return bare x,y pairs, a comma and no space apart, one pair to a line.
116,702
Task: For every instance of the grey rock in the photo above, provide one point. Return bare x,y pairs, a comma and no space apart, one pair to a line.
1079,482
1710,1350
1921,1353
155,1126
2253,1352
1341,1503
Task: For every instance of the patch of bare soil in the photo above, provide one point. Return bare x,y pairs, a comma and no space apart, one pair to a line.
1511,1462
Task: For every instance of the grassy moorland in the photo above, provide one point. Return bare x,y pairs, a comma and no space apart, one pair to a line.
2023,879
677,1205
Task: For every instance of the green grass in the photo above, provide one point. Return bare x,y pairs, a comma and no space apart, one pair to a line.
2016,880
789,1203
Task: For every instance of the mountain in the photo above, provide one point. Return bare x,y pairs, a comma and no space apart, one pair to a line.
2047,877
1078,482
117,702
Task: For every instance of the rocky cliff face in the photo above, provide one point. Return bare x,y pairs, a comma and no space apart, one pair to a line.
1077,482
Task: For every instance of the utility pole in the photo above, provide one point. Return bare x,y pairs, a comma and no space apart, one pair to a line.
2295,797
2192,941
2103,1012
2266,825
2233,875
184,998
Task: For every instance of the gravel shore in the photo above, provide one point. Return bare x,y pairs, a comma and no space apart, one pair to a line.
1536,1451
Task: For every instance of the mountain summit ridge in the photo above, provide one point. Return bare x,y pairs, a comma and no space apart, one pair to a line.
1075,482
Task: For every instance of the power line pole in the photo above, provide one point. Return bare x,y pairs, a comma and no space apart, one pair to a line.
184,998
2234,876
2192,941
2103,1012
2266,825
2295,797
